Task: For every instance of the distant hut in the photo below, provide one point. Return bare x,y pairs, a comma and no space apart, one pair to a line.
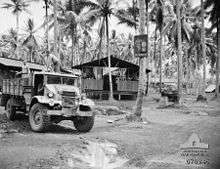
95,81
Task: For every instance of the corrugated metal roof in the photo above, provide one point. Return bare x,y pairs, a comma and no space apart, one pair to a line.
57,74
115,62
18,64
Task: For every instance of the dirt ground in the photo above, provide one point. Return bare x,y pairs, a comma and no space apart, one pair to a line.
113,143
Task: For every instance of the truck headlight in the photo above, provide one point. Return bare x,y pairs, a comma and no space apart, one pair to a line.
83,96
51,102
50,94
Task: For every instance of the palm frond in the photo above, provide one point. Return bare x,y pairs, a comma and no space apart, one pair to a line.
7,5
125,19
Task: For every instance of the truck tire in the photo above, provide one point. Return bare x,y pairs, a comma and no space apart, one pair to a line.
38,118
10,110
84,124
4,99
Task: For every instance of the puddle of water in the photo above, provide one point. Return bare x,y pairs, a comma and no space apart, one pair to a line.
97,155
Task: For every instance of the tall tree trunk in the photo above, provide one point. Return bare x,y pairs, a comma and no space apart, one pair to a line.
161,49
59,43
188,75
217,59
55,28
203,48
84,51
31,55
196,74
155,47
179,51
78,54
72,51
148,61
142,62
160,59
76,44
109,59
47,27
17,40
134,2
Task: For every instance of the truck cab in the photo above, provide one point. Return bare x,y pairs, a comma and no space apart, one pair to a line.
49,97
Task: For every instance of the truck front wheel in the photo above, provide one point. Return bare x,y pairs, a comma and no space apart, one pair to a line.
84,124
10,110
38,117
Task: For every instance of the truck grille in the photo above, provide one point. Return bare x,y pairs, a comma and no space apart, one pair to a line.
69,99
69,94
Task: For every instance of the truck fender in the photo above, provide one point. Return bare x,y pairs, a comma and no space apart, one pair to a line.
86,105
44,100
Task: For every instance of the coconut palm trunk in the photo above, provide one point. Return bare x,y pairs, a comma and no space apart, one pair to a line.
109,59
72,50
188,75
134,14
47,27
59,43
203,48
17,40
142,62
155,47
160,59
179,52
148,60
55,28
217,59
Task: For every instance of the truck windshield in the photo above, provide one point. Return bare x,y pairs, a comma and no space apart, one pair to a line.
54,80
68,80
60,80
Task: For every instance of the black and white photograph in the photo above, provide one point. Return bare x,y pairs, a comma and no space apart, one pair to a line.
109,84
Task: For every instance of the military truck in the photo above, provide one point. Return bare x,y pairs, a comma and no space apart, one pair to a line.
48,97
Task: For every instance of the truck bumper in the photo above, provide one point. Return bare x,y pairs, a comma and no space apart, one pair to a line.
68,112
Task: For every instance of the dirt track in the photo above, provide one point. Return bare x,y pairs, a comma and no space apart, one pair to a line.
155,144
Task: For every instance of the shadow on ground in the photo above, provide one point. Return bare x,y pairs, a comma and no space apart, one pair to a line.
21,124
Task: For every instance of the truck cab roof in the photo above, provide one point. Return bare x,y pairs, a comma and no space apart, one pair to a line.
57,74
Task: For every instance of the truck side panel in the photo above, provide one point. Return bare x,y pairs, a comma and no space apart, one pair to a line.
13,87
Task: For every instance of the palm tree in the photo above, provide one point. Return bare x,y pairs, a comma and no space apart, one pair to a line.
47,3
203,47
129,16
73,20
175,33
157,16
70,20
164,16
85,46
199,44
179,50
214,13
17,6
194,56
55,29
142,62
9,41
102,10
126,46
30,41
